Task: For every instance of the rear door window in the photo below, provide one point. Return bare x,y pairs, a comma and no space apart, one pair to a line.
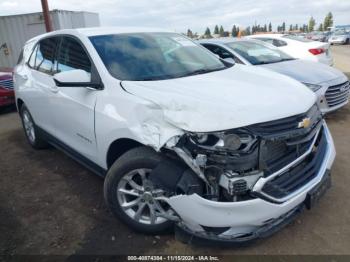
45,54
31,61
275,42
20,57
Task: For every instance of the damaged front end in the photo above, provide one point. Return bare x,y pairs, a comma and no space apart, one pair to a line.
238,185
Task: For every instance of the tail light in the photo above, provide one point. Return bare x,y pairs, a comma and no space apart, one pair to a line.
317,51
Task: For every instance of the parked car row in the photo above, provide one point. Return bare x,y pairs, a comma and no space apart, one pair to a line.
225,151
330,84
340,36
319,36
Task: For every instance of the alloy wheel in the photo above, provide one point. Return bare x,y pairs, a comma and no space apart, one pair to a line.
140,200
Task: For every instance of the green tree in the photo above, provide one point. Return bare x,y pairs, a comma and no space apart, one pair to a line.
320,27
221,31
290,27
283,28
270,27
234,31
312,23
247,31
207,33
328,21
189,33
296,27
216,30
265,28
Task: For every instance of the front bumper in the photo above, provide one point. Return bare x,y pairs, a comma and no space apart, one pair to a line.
327,109
329,102
245,220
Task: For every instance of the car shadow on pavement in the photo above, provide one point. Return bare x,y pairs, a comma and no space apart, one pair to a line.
7,109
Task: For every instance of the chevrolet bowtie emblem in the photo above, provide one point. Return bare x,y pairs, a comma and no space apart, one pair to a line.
305,123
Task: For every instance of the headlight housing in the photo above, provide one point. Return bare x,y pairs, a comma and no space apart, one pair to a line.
313,87
231,141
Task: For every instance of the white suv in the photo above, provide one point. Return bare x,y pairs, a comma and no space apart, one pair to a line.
225,152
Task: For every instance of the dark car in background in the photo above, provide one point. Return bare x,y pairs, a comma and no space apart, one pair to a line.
7,96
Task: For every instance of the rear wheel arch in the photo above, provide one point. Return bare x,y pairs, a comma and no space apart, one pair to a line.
20,103
118,147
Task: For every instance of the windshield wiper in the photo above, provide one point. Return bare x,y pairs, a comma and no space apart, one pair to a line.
164,77
202,71
287,59
276,61
266,62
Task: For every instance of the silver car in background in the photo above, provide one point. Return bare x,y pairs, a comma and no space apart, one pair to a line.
340,37
330,84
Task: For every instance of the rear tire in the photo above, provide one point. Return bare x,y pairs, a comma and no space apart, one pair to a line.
30,130
131,196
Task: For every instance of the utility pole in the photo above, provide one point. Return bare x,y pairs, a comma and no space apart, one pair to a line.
48,24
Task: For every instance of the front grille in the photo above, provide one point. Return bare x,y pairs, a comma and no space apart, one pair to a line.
277,154
338,94
6,83
288,128
300,174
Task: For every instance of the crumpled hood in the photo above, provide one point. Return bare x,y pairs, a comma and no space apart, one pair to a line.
306,71
226,99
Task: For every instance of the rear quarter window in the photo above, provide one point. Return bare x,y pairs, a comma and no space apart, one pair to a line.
20,57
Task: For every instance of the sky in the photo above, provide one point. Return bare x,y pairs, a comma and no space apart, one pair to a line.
179,15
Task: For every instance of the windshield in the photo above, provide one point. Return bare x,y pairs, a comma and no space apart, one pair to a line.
339,33
304,40
258,54
153,56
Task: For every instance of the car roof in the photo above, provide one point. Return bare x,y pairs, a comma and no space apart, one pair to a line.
225,40
266,35
94,31
221,40
118,30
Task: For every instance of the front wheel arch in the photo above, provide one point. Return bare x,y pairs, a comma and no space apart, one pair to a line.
118,147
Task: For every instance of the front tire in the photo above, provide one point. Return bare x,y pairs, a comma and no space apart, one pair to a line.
30,129
132,197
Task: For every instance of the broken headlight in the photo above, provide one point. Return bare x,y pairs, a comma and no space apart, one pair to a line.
232,141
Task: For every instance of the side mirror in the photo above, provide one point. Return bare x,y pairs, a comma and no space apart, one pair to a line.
75,78
230,60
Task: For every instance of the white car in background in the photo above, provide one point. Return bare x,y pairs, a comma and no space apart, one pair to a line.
297,47
339,37
330,84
